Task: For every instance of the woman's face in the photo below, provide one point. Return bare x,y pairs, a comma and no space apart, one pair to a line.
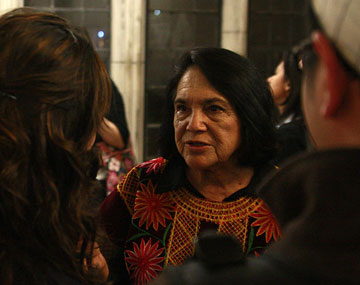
207,129
279,85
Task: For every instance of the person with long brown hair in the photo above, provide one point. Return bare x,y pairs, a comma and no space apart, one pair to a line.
54,93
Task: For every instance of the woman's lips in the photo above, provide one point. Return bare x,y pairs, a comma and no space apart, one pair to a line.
196,145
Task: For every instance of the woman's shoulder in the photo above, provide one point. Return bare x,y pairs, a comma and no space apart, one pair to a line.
119,205
148,169
152,167
144,172
260,172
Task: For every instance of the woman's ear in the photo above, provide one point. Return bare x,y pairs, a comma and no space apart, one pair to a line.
336,78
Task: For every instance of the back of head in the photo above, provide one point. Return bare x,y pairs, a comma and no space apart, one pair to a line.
335,44
54,92
243,86
340,21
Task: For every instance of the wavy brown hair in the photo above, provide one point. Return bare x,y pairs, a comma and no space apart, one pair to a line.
54,92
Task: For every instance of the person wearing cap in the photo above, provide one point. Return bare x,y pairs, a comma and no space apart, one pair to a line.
315,198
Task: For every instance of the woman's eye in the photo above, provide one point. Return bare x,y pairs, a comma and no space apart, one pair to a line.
180,108
215,108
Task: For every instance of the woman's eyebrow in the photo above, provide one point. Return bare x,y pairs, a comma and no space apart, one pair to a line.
214,100
205,101
179,100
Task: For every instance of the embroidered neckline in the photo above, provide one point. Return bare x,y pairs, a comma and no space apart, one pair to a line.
214,211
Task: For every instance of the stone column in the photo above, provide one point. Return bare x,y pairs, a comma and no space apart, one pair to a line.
127,63
234,25
7,5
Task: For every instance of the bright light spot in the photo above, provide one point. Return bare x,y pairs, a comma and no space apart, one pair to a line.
101,34
157,12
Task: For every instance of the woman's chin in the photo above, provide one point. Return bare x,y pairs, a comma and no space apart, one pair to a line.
198,164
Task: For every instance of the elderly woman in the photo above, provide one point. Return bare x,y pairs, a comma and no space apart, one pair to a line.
54,93
216,140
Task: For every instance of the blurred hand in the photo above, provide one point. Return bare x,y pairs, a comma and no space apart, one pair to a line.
111,134
98,264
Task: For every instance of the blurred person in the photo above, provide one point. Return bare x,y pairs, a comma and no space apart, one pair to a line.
114,142
286,88
315,198
217,138
54,93
280,86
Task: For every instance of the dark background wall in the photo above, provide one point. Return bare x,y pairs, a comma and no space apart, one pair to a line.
172,28
94,15
275,26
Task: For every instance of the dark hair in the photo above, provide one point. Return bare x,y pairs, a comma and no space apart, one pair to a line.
310,58
247,91
55,92
293,73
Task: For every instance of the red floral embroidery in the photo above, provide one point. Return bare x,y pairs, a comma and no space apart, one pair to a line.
152,165
152,208
266,222
144,261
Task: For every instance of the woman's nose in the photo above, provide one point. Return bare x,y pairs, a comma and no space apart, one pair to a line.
196,122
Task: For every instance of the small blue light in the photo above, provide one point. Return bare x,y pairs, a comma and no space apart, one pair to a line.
101,34
157,12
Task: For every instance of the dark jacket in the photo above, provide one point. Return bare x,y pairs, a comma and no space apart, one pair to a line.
315,199
292,140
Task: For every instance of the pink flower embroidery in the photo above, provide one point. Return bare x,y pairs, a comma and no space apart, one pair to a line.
144,261
153,165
